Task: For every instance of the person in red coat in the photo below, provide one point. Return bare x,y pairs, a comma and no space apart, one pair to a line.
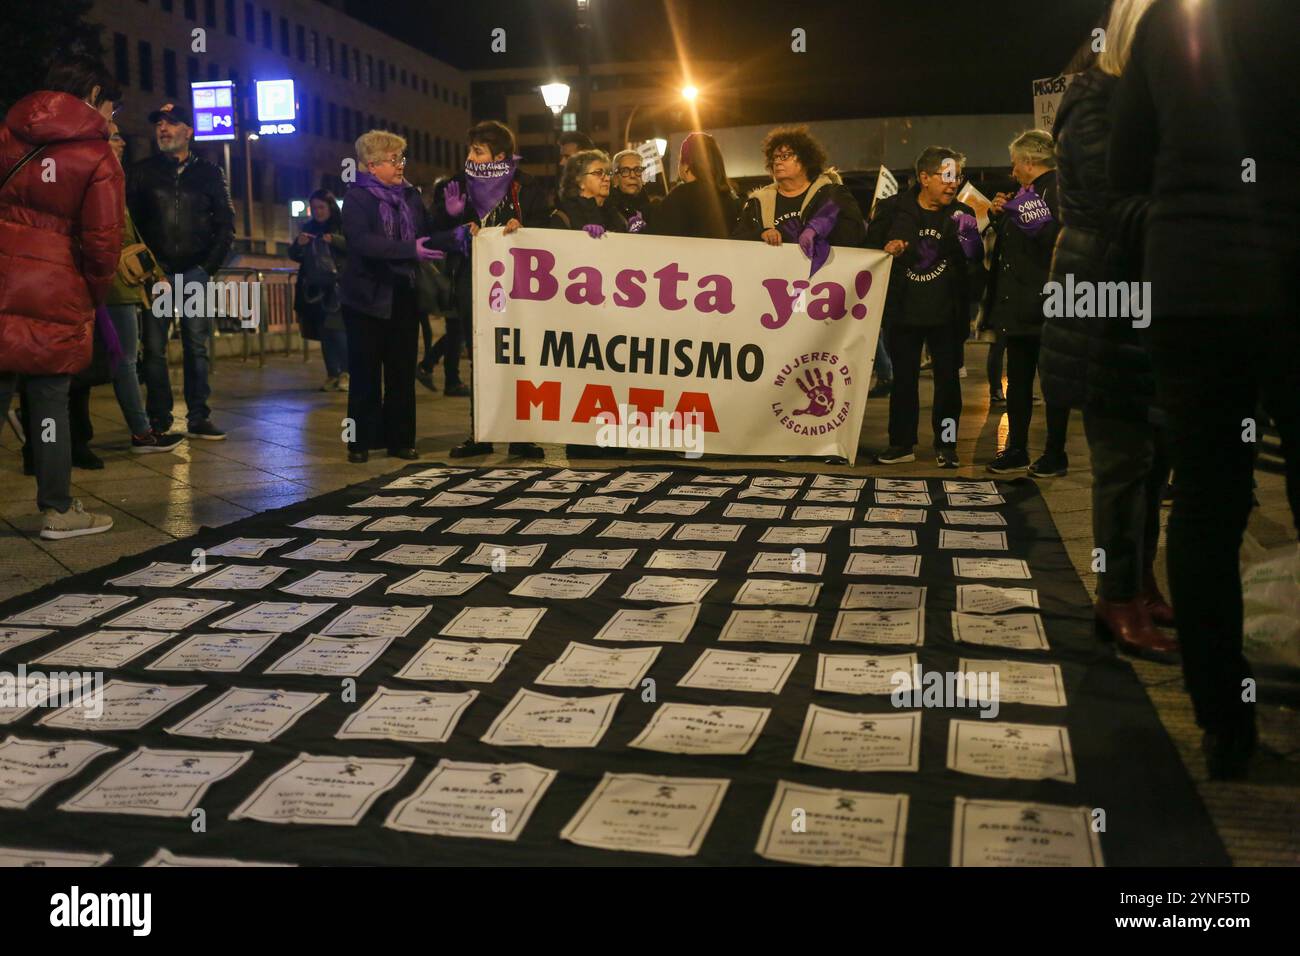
61,214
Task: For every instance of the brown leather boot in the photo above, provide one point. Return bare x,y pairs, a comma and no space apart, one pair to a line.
1129,624
1162,615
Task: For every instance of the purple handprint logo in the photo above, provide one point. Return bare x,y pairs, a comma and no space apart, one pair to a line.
819,391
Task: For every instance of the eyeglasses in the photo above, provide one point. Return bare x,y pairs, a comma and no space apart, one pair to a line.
784,156
399,162
602,173
631,170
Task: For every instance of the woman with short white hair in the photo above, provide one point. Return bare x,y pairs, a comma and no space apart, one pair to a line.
388,234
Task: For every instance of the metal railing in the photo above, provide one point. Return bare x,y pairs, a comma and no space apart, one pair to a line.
276,318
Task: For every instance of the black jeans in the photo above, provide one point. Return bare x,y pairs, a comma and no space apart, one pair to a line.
1210,376
45,402
1129,468
1022,366
381,367
993,364
904,401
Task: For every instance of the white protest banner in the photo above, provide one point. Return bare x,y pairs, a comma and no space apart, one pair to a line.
706,345
649,152
1048,93
886,186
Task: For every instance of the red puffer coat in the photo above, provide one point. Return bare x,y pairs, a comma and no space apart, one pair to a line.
60,232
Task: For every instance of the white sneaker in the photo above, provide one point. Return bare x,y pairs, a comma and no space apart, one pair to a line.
74,522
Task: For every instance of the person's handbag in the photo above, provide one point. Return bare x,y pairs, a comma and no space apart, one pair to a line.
433,289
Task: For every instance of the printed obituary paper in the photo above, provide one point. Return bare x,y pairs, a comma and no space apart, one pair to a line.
386,501
771,494
647,814
159,574
986,599
157,783
330,791
638,530
428,555
812,534
515,474
974,499
863,674
821,513
388,622
558,526
12,856
165,857
106,648
559,586
556,487
214,652
609,559
69,610
882,538
990,568
978,540
503,557
838,740
494,623
329,523
1021,631
335,584
886,596
702,729
737,670
241,577
251,547
769,626
487,486
449,499
788,562
754,512
11,637
973,517
841,495
708,532
274,616
902,498
427,483
664,625
126,706
331,549
532,503
1009,833
792,481
836,481
636,481
581,665
567,474
774,591
482,526
332,656
242,713
601,504
492,801
458,661
685,560
840,827
30,767
437,583
990,748
401,523
719,479
957,485
169,614
415,715
898,626
1022,683
900,484
899,565
540,720
667,506
668,590
700,491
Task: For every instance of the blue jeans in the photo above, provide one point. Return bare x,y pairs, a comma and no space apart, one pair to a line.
126,385
334,349
195,330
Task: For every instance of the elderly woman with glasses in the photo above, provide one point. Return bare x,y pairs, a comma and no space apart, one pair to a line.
388,233
584,196
628,192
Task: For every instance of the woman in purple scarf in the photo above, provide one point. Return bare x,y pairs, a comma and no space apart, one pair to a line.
388,233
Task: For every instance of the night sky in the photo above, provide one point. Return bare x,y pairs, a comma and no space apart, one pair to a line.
865,58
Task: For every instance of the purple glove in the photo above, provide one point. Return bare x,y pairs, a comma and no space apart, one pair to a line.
107,331
453,200
595,230
968,234
808,241
636,222
461,236
426,254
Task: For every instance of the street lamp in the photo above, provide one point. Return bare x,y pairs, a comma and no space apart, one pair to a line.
556,97
689,93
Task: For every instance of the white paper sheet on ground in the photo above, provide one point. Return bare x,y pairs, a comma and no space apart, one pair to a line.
482,527
494,623
69,610
427,583
754,512
395,621
700,491
168,614
159,574
601,505
840,495
664,625
667,506
533,503
558,526
413,482
708,532
674,816
821,513
719,479
157,783
323,790
428,555
900,565
838,481
786,481
1011,833
449,499
279,616
900,484
896,515
685,560
865,674
635,481
458,661
582,665
974,499
532,719
30,767
332,584
759,673
11,637
252,714
797,561
568,474
883,596
386,501
416,715
838,827
556,487
770,626
607,559
332,656
882,538
973,517
485,486
702,729
1022,682
775,591
1024,632
838,740
165,857
250,547
986,599
331,549
972,540
106,649
226,653
491,801
969,486
513,474
994,748
126,706
636,530
401,523
793,535
17,856
665,589
902,498
991,568
241,577
328,523
891,626
771,494
567,587
503,557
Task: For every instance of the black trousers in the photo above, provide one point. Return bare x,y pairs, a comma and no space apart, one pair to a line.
447,347
1022,366
1129,469
904,401
381,364
1210,377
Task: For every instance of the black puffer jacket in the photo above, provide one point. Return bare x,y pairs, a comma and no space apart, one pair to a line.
576,212
183,211
1014,296
1094,363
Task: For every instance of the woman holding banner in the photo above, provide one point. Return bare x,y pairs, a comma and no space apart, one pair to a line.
702,205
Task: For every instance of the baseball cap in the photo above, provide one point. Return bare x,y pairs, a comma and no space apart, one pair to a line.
172,112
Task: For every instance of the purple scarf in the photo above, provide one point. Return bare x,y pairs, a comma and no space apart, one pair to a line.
395,213
107,333
1029,211
488,184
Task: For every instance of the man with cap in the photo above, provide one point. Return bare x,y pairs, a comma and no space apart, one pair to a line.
181,205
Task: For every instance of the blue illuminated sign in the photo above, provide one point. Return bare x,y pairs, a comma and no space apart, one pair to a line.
277,110
214,110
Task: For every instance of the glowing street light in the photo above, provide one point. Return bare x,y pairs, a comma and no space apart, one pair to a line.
689,93
555,96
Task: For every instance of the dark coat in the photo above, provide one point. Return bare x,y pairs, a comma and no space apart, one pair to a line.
183,212
1013,299
60,239
638,202
850,229
900,217
576,212
313,306
697,210
1094,363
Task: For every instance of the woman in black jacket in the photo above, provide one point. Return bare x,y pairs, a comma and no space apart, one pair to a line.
702,205
319,250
